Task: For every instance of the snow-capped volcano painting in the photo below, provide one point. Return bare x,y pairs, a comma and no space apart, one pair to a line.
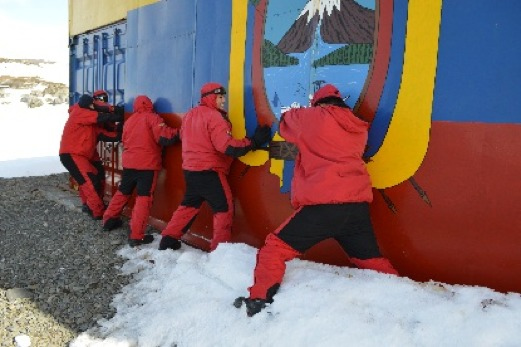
340,21
308,43
317,42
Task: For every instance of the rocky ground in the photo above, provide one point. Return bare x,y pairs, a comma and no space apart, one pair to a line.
32,90
58,269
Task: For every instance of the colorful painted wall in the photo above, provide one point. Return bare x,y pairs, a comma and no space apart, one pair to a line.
438,80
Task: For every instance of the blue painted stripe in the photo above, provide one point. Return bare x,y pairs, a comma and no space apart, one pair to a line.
249,104
287,176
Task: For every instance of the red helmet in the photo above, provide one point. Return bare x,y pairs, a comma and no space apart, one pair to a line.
209,93
212,88
326,91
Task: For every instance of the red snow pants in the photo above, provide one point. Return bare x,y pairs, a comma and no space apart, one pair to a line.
144,181
349,224
86,174
209,186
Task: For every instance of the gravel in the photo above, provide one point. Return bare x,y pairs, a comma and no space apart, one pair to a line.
58,269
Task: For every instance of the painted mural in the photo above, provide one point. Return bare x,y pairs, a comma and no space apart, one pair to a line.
317,41
305,44
438,80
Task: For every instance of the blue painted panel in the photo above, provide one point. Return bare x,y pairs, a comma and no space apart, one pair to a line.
160,54
250,113
212,48
479,74
95,59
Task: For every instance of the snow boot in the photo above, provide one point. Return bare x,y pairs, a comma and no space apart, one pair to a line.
112,223
144,241
168,242
253,306
86,209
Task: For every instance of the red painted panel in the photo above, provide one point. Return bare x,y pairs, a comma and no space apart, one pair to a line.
370,96
262,107
472,232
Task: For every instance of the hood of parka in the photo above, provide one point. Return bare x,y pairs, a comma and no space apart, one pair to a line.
143,104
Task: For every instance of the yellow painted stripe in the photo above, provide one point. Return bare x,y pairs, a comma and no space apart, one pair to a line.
237,58
236,82
407,139
277,166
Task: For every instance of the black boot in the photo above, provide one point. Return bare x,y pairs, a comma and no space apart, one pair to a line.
85,209
168,242
97,217
144,241
253,306
112,223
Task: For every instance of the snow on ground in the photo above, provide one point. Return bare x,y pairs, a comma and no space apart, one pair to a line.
30,132
184,298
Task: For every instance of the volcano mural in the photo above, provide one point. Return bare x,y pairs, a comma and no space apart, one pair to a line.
323,41
309,43
340,21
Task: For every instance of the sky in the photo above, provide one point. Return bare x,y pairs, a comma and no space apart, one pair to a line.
185,297
34,29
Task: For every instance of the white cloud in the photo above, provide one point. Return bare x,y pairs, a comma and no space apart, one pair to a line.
20,39
14,2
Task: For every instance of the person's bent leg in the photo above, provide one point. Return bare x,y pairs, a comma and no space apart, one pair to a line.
270,268
297,234
379,264
181,218
74,171
292,238
100,178
139,218
359,241
184,215
82,171
112,216
221,201
146,184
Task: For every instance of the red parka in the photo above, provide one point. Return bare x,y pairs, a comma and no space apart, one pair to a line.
144,133
206,133
80,132
329,167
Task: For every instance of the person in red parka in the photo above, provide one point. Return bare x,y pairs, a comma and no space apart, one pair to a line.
144,135
330,191
106,132
207,152
78,152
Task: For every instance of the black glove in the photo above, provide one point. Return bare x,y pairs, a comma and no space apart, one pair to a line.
119,110
261,136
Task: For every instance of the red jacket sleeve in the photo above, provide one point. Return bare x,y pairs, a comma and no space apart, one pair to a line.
163,134
221,136
290,125
86,116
